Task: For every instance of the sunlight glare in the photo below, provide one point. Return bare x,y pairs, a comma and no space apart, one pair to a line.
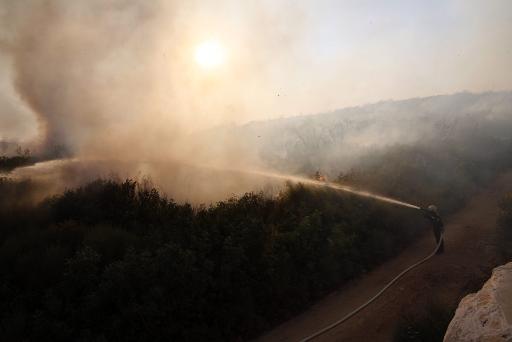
210,54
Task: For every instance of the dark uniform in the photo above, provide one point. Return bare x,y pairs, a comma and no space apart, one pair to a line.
437,225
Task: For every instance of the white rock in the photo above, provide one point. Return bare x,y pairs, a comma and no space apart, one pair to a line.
487,314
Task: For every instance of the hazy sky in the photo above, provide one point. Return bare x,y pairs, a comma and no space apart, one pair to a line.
83,69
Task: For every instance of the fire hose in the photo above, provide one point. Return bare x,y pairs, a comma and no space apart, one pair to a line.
371,300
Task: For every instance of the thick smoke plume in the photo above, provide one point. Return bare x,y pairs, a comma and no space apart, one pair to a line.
83,69
117,78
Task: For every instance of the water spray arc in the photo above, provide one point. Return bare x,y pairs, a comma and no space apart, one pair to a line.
304,180
340,188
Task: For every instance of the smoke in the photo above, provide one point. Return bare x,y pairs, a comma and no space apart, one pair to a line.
113,84
116,78
83,68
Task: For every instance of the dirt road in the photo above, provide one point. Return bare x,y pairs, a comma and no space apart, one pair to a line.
469,255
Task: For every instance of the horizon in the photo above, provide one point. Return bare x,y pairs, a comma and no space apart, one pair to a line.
331,111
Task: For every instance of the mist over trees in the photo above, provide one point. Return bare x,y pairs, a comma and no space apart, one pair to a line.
118,260
439,136
337,141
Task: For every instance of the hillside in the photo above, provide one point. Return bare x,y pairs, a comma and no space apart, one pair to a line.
334,142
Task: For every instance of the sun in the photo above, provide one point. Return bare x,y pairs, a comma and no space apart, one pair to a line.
210,54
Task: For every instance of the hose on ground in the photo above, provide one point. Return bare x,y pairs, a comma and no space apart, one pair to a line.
371,300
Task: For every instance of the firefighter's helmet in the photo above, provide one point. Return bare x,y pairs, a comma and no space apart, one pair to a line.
432,208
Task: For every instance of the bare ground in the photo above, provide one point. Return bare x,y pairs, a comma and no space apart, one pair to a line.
469,257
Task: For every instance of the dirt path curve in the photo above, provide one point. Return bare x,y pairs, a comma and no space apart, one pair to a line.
469,255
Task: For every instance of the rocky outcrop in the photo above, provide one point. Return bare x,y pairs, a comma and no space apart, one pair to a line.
487,314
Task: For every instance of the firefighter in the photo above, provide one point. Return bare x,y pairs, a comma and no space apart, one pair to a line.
432,215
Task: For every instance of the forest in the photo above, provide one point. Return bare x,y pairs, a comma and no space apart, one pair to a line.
118,260
22,158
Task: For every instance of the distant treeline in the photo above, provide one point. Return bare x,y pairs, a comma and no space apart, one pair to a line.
471,124
13,156
22,158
